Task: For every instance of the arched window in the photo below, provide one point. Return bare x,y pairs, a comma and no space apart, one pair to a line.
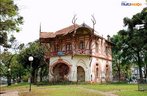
81,45
107,73
68,47
97,70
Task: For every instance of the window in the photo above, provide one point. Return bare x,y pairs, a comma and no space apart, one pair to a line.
96,47
107,73
82,45
56,48
68,47
108,50
107,70
97,70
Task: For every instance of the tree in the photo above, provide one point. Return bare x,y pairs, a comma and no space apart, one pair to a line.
10,19
133,41
121,63
17,70
6,58
136,37
10,66
34,49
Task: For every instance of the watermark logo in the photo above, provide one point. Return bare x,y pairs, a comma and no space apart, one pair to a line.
125,3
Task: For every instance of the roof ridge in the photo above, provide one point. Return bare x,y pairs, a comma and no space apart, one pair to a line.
67,29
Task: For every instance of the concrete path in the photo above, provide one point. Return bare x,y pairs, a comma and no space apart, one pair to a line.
10,93
110,93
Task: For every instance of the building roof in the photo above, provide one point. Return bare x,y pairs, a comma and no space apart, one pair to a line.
67,30
64,31
47,35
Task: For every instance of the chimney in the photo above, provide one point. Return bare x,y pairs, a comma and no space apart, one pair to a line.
108,37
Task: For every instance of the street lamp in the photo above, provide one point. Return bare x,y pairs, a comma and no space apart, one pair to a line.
30,59
9,77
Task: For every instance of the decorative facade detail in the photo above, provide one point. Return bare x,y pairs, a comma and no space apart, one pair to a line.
77,53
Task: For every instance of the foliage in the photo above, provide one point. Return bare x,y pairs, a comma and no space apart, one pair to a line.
9,19
121,63
131,44
10,67
34,49
5,62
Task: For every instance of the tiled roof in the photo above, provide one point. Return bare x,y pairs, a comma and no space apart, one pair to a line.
47,35
67,30
63,31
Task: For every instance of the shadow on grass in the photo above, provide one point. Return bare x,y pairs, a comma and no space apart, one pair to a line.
61,83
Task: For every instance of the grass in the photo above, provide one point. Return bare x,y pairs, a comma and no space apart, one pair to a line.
58,91
77,90
119,89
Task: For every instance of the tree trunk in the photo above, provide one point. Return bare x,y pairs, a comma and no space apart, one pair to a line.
41,75
34,77
145,71
48,70
9,79
119,73
139,65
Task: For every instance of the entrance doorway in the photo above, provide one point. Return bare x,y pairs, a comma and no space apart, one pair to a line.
80,74
60,72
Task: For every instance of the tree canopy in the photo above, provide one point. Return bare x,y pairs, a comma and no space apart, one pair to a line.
9,19
132,43
34,49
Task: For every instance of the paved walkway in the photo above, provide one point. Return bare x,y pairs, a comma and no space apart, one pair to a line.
10,93
110,93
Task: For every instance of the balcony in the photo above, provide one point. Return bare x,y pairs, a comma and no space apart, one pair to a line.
70,52
82,51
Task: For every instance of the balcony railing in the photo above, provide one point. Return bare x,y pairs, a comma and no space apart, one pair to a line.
70,52
82,51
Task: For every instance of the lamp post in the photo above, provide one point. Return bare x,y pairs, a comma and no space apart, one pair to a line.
9,77
30,59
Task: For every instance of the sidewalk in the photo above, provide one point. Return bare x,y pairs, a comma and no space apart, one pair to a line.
10,93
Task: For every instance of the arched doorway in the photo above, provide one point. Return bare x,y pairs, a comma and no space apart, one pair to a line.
80,74
60,71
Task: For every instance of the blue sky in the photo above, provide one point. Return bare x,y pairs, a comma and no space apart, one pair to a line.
57,14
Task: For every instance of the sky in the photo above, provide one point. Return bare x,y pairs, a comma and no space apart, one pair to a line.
54,15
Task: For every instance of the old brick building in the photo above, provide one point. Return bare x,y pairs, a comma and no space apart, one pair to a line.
78,53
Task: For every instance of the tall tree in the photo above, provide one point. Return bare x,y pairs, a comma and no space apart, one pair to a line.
134,40
9,22
121,63
136,37
9,19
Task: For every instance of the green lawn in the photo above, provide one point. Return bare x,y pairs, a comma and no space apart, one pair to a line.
77,90
119,89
